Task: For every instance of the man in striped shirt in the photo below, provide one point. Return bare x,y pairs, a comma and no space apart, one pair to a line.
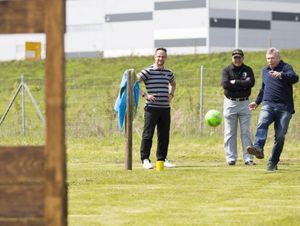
160,85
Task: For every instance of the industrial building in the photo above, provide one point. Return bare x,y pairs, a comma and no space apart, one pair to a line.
112,28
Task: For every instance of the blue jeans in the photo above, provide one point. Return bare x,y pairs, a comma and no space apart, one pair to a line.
281,121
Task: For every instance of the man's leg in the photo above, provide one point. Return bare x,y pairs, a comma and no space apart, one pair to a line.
163,131
230,131
266,117
281,125
150,120
245,127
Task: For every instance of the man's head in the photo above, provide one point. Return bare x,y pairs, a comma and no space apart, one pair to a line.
237,57
160,56
273,57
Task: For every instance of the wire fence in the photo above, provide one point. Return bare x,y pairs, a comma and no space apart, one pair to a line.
90,102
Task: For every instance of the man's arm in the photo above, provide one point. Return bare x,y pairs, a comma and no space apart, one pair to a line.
248,82
260,94
141,92
144,94
172,90
226,84
253,105
288,74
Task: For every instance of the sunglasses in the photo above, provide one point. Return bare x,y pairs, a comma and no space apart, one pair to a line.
237,57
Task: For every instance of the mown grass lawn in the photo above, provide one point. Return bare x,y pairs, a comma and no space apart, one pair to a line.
202,190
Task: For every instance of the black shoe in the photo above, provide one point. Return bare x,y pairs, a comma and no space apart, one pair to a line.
272,167
255,151
250,163
231,163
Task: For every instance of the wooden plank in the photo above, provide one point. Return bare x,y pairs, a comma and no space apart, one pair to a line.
22,200
56,194
22,16
22,221
22,163
22,182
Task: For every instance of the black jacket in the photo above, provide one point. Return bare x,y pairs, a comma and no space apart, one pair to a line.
244,81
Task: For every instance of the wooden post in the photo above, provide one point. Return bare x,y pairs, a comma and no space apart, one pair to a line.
56,195
129,118
41,199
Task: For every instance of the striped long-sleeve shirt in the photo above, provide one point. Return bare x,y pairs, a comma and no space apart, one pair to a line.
157,82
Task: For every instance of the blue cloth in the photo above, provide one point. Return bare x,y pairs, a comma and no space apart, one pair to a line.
120,104
278,93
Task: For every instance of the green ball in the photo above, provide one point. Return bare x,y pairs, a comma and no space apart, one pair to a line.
213,118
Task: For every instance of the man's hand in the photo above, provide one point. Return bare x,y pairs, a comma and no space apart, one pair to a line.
170,97
150,97
252,106
275,74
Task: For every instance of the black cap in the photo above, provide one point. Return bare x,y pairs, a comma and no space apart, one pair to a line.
238,52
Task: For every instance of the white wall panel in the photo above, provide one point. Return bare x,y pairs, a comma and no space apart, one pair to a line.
84,41
243,14
285,34
126,6
179,33
85,12
13,46
128,35
128,52
134,27
8,47
188,18
282,6
187,50
260,5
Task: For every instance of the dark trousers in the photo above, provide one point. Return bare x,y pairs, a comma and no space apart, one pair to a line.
161,118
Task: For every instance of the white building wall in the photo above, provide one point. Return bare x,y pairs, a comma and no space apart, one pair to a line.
84,26
263,23
183,31
12,46
110,28
128,27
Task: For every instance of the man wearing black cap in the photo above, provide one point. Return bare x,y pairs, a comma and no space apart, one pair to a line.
237,81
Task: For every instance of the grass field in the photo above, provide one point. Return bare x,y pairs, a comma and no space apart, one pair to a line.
202,190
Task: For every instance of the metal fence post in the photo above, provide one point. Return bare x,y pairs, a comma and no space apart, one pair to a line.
201,100
23,106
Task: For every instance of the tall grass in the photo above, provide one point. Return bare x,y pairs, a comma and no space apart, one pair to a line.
92,87
202,190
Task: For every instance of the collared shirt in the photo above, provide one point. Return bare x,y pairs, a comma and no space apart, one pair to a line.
244,81
157,82
278,92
